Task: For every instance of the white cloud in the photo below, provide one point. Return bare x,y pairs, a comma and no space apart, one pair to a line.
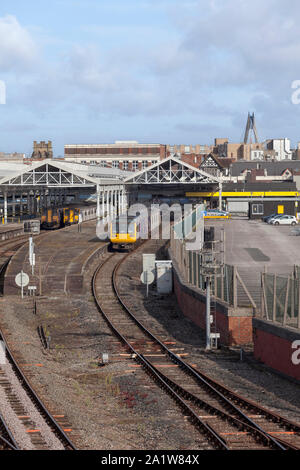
18,50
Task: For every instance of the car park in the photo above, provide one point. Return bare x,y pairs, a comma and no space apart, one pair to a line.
284,220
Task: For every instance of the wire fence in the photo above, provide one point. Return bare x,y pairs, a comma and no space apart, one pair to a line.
280,301
275,298
226,286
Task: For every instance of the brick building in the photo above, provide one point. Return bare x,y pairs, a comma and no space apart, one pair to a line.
42,150
237,151
125,155
191,154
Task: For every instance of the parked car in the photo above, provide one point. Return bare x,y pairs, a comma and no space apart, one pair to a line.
285,220
216,214
267,217
274,217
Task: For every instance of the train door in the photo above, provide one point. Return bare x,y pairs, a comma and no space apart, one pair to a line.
66,216
61,218
76,215
49,216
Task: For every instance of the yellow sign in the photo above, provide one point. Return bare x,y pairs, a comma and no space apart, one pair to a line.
280,209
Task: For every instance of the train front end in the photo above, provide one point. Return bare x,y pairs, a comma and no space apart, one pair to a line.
123,232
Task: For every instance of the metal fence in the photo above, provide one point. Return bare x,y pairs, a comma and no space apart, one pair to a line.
280,301
227,287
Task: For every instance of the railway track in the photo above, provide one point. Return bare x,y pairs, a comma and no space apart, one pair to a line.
7,250
35,426
7,441
228,421
30,422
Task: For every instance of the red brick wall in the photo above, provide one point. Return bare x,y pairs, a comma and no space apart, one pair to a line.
191,158
234,330
275,352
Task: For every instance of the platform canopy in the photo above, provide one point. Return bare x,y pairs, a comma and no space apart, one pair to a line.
171,171
50,173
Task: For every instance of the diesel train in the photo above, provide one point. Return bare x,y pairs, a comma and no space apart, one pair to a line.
125,230
57,217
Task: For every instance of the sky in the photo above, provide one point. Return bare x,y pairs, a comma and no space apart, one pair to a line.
155,71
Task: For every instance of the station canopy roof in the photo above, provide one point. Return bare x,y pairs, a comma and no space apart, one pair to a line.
52,173
171,171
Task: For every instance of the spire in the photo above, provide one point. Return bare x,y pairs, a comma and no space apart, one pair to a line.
250,126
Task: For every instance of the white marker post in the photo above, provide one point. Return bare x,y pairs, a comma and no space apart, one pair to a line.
22,280
147,277
31,254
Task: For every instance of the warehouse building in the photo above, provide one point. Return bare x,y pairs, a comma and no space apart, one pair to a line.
253,200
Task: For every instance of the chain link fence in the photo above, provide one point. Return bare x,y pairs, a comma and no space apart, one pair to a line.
227,287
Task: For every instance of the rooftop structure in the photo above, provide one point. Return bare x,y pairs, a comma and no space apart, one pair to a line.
42,150
126,155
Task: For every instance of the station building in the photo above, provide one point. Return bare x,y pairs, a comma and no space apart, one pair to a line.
125,155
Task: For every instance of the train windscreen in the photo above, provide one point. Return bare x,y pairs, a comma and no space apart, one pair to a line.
123,225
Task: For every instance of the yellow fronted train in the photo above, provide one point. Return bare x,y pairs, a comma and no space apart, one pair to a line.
123,232
57,217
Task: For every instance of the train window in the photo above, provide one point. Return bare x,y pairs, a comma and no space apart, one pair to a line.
257,209
123,225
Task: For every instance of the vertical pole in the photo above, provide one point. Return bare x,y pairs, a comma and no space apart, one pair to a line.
14,204
274,299
110,203
119,202
147,283
286,301
107,204
293,282
220,196
262,304
98,203
5,207
21,204
298,303
234,284
197,268
40,277
207,347
22,288
28,203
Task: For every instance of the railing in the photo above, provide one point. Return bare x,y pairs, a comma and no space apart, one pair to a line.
280,298
229,287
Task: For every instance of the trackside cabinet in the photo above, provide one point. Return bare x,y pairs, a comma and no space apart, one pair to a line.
164,279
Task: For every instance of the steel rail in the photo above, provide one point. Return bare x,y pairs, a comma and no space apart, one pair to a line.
37,401
6,436
274,417
277,443
196,420
202,404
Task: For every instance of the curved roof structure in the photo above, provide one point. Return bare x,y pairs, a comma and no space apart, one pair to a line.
52,173
171,171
